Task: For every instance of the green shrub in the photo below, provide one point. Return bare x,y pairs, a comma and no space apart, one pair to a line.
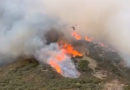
127,87
83,66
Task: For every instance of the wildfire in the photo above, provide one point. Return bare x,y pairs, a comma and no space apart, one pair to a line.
65,50
56,66
58,58
76,35
69,49
88,39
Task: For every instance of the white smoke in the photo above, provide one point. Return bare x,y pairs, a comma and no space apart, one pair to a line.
24,23
107,20
23,26
66,65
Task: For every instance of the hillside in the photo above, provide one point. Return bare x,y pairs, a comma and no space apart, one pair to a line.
97,73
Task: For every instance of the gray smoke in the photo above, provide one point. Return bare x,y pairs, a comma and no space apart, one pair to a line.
24,25
20,24
66,65
107,20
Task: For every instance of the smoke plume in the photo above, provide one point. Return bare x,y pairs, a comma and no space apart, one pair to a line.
24,25
23,32
105,20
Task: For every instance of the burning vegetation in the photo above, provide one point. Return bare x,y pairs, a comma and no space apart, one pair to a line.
67,52
93,67
58,56
64,52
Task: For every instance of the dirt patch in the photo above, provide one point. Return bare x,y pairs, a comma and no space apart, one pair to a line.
114,85
92,63
101,74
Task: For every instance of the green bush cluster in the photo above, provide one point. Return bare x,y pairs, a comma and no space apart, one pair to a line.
83,66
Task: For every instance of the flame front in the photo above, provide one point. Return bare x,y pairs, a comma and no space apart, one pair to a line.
58,58
56,66
63,58
76,35
88,39
70,50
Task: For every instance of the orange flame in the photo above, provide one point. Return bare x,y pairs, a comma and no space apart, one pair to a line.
56,66
76,35
56,60
88,39
60,57
68,49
